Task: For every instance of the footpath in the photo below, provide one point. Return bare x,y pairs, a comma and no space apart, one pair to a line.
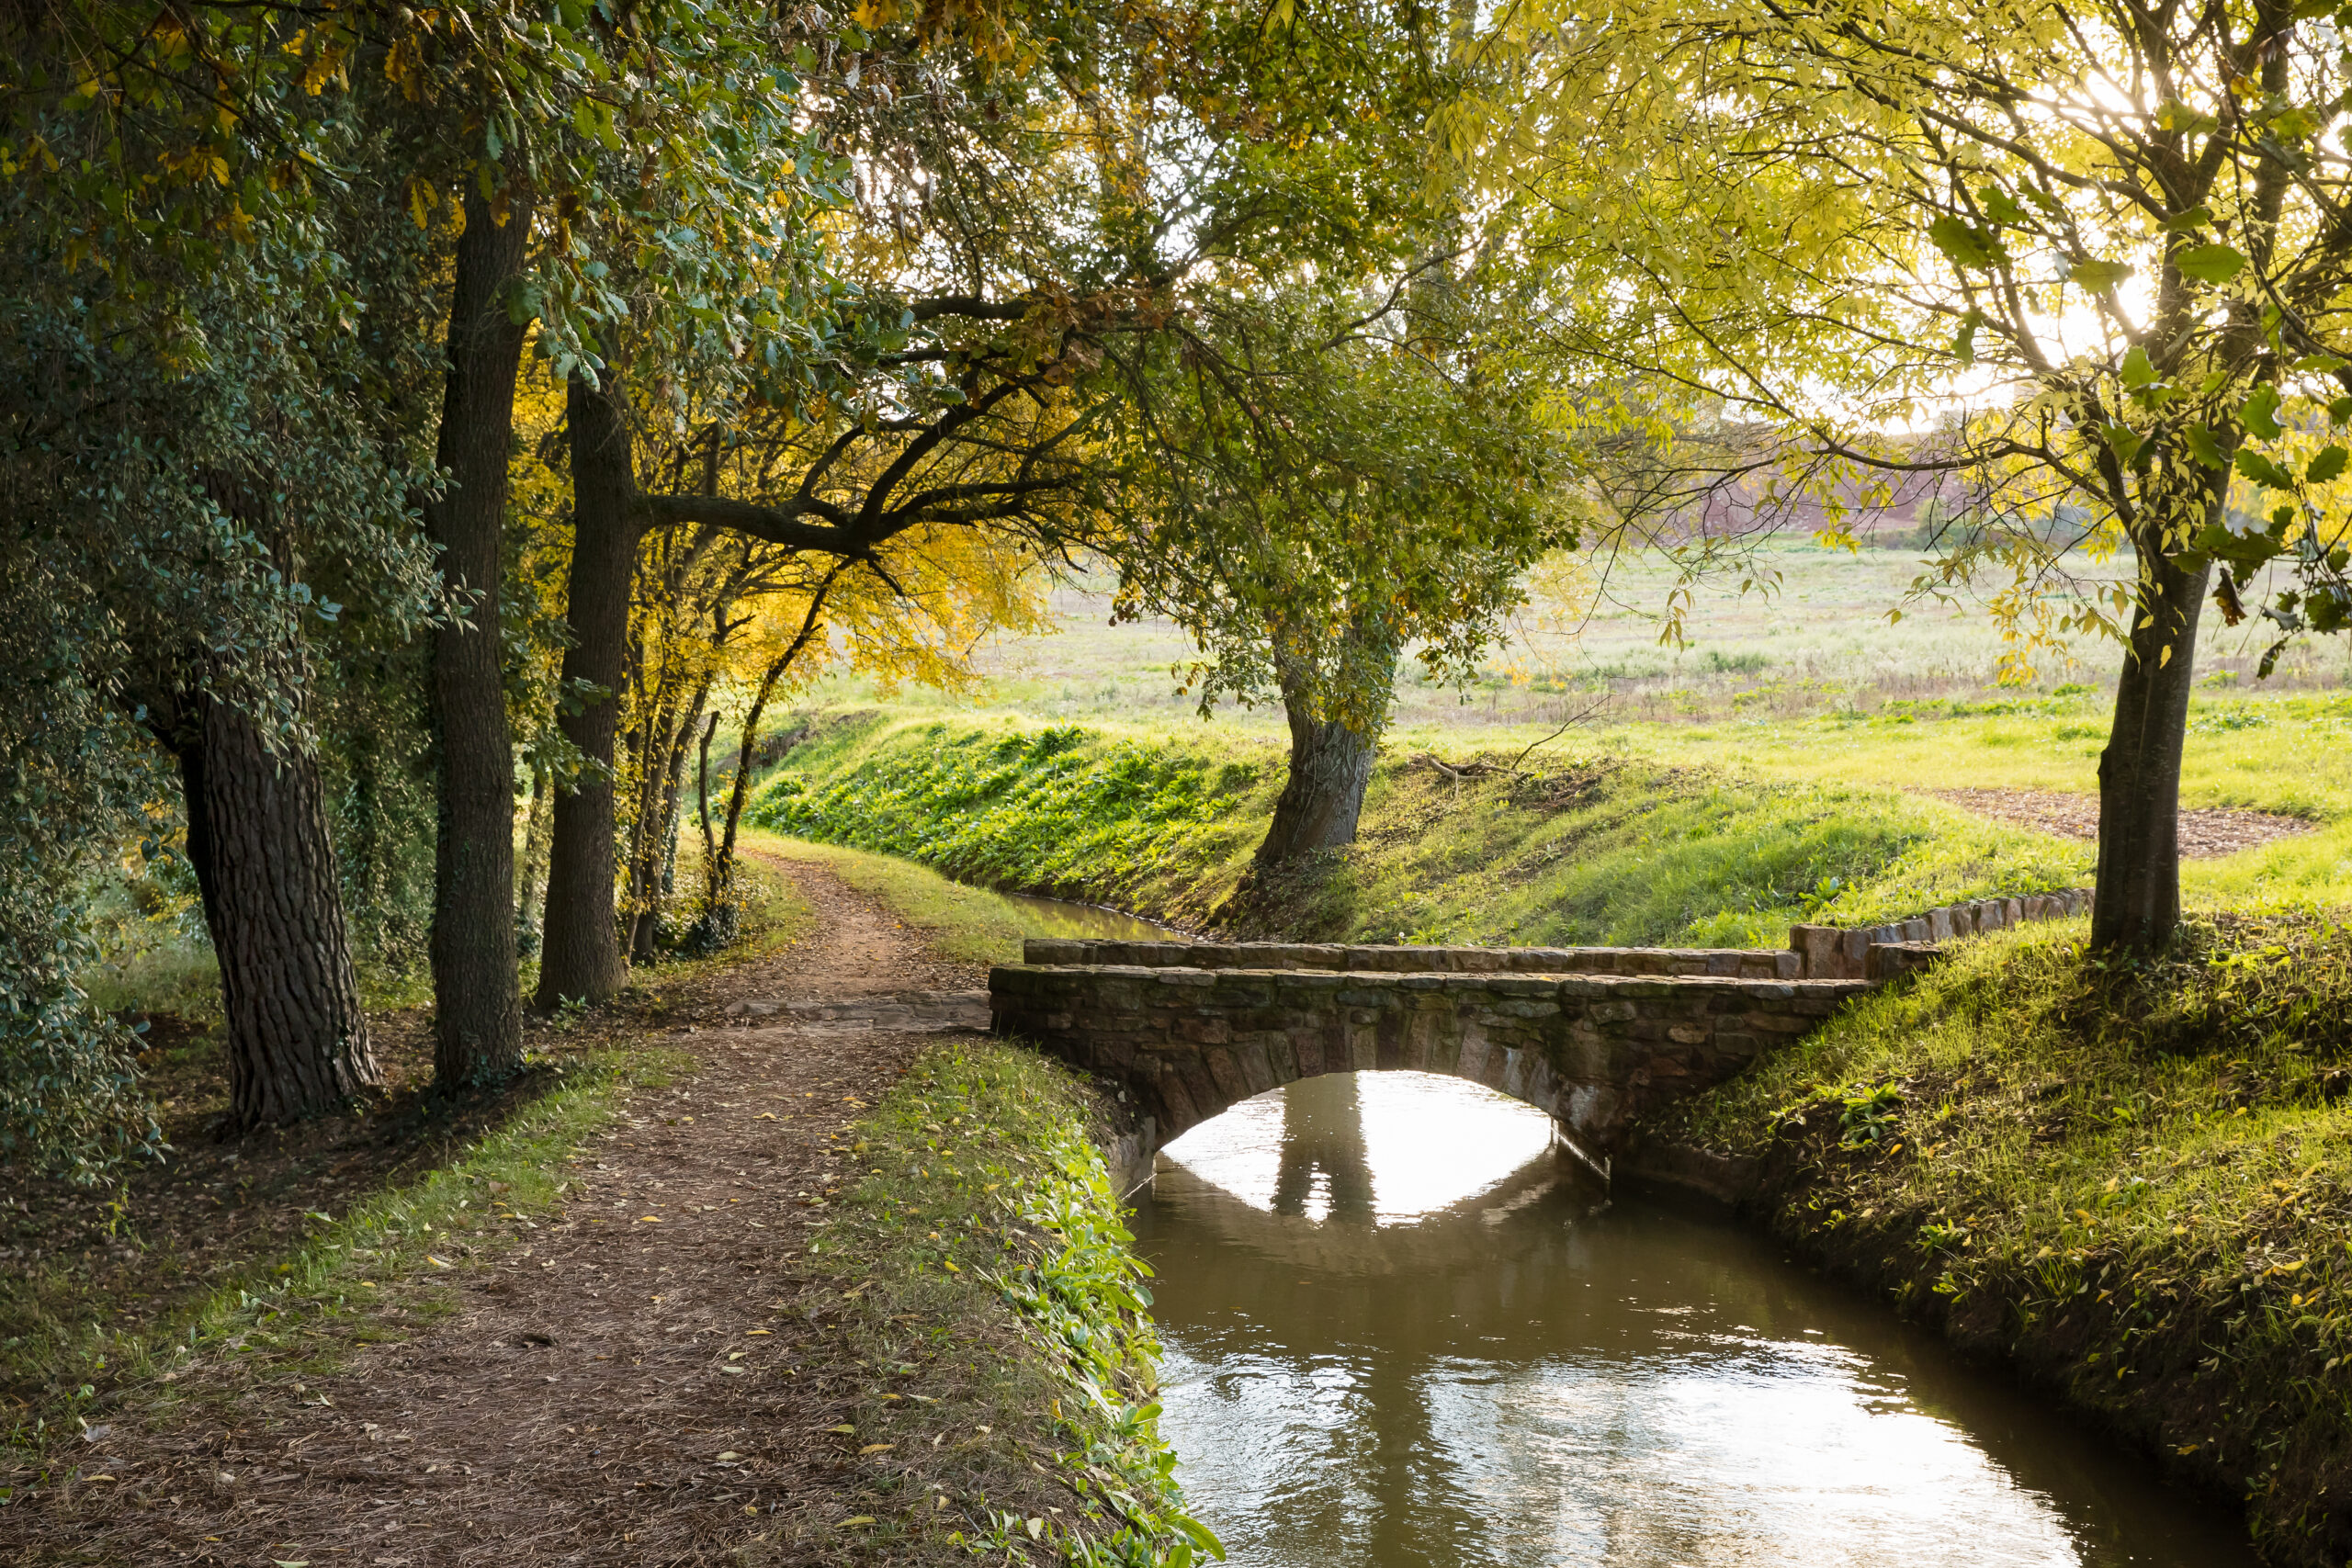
624,1382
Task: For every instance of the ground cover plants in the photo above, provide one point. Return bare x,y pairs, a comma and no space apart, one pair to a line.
978,1263
2134,1180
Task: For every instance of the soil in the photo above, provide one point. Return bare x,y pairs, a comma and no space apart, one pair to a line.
2205,832
627,1384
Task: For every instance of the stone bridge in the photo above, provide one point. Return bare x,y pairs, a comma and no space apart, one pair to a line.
1592,1037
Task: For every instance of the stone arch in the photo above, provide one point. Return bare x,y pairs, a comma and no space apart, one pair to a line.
1593,1050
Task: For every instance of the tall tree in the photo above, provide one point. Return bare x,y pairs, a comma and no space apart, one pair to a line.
1316,483
478,1021
199,441
579,955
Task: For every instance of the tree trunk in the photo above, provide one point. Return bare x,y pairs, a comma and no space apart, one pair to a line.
478,1014
2136,904
537,828
1330,766
702,790
719,870
653,875
582,955
257,838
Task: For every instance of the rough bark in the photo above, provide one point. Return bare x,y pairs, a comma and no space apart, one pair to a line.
1330,768
2136,906
478,1014
580,956
257,837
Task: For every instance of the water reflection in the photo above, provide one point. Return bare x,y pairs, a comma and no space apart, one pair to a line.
1401,1330
1060,918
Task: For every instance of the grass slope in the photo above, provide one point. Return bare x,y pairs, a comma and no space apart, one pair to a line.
2136,1182
1611,847
980,1266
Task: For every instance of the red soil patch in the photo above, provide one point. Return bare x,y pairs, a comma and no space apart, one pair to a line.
608,1391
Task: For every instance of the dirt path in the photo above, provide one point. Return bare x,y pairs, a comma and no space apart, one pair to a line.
2205,832
620,1388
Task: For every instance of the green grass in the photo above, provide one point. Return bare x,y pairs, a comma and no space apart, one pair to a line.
2137,1182
1609,849
1817,642
982,1280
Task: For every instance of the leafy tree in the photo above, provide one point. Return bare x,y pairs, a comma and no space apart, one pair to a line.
1314,490
2087,261
199,457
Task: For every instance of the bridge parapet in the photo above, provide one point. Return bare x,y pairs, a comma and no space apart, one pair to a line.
1595,1051
1723,963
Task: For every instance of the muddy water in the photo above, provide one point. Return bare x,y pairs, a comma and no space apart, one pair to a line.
1058,917
1401,1330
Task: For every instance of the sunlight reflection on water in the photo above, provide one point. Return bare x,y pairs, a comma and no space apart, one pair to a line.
1401,1330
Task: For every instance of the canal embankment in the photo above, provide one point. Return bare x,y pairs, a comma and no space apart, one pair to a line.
975,1273
2134,1184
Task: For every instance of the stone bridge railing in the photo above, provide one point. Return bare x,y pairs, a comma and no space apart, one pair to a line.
1593,1036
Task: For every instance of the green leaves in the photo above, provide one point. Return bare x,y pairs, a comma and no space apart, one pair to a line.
2098,274
2202,447
2138,371
1963,343
1966,245
2326,464
2179,117
2263,471
2259,413
2210,264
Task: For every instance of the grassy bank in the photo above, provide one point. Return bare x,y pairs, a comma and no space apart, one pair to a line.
2134,1183
1599,845
978,1268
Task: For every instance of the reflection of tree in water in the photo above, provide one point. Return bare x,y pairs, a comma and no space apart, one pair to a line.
1323,1135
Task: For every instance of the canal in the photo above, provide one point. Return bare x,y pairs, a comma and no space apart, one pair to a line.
1401,1330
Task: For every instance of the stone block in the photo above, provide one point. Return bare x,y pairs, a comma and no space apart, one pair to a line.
1890,960
1199,1028
1940,925
1819,948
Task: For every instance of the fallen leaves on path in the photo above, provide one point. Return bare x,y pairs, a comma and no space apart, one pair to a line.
549,1417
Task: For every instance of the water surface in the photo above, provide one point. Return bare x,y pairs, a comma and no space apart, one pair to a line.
1401,1330
1059,917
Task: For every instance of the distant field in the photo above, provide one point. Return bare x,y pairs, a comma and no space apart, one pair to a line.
1816,641
1805,684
